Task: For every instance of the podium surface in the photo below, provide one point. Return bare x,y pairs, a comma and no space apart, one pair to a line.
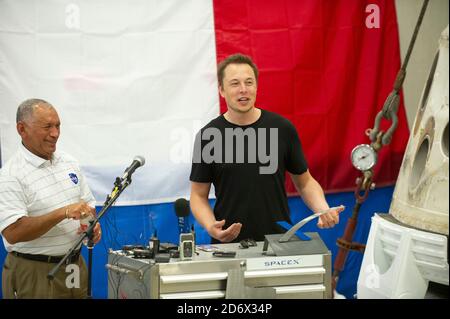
301,271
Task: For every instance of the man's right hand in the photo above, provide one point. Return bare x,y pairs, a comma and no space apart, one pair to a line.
79,210
224,235
29,228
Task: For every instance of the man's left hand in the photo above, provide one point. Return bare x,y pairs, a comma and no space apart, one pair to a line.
97,232
331,218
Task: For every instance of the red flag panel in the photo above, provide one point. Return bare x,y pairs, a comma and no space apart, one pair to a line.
326,71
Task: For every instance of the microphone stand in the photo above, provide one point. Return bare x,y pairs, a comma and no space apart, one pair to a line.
119,186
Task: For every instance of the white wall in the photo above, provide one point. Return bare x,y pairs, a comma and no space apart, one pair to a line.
433,23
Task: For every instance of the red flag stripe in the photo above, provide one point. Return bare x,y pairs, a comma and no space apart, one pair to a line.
326,71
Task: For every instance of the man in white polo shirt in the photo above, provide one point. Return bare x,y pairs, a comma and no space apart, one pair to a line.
43,195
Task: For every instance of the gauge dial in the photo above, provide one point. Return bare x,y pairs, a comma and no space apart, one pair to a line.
363,157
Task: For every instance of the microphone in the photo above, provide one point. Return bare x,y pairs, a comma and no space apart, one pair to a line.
138,161
182,211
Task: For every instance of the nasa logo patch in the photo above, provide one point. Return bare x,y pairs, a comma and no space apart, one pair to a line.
74,178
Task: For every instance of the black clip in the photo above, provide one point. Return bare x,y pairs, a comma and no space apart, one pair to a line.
246,243
243,244
251,242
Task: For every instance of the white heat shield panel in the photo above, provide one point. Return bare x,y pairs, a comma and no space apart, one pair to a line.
421,195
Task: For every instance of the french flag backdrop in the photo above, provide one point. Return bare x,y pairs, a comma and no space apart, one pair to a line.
139,78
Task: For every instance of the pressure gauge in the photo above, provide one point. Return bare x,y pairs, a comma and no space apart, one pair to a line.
363,157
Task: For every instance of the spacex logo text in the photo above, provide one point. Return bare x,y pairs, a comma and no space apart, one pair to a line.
284,262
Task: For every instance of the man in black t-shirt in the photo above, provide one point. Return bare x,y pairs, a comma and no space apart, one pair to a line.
245,153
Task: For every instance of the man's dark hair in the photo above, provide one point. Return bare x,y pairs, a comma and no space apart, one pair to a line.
237,58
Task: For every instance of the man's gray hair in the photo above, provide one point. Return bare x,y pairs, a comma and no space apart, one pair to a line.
25,109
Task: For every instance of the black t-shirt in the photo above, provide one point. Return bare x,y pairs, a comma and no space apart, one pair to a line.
247,165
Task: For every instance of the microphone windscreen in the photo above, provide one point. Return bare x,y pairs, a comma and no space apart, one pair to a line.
182,207
140,159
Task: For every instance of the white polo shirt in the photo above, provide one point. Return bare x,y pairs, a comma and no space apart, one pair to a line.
32,186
